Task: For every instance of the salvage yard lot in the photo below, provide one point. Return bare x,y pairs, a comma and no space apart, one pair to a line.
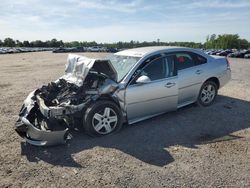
192,147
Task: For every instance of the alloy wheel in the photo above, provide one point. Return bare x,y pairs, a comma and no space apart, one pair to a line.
105,121
208,93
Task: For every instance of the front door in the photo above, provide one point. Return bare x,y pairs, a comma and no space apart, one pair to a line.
158,95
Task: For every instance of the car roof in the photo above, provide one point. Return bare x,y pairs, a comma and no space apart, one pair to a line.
139,52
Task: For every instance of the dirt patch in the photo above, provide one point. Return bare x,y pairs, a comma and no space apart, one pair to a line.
18,66
5,85
205,138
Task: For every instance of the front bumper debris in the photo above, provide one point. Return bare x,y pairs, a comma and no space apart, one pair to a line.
39,137
59,111
34,134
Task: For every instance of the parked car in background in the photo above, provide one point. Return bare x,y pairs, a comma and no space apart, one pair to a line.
224,52
61,50
247,55
2,51
96,49
239,54
232,54
112,50
211,52
8,50
130,86
217,52
214,51
68,50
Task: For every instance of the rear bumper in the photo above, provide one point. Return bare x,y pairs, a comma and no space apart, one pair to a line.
225,78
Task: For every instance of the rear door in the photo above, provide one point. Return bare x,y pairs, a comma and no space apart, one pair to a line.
191,70
157,96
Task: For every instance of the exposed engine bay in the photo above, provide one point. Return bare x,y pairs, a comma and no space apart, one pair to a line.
49,112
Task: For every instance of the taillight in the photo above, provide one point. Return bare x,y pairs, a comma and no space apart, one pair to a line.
228,64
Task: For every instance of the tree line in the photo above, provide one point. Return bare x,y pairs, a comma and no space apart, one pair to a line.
225,41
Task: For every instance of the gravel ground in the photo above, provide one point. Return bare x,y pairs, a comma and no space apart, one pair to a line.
192,147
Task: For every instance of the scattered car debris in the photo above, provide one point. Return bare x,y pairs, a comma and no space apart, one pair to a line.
227,106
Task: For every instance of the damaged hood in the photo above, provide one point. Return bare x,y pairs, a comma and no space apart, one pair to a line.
78,67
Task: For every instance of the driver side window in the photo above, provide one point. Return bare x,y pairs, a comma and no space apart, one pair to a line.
160,68
155,70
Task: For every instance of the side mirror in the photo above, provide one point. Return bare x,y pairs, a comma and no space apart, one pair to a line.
143,80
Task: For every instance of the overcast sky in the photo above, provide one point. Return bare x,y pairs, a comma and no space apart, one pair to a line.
117,20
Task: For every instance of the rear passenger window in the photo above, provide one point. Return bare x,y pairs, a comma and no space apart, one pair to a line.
184,60
188,59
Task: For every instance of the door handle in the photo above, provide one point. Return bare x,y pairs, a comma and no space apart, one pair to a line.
170,84
198,72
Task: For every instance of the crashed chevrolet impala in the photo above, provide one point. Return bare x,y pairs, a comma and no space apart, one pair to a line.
130,86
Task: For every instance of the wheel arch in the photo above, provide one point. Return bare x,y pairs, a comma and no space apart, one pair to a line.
215,80
109,98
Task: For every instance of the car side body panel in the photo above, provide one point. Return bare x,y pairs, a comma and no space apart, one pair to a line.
150,99
189,82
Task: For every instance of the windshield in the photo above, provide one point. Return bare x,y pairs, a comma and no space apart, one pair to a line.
122,64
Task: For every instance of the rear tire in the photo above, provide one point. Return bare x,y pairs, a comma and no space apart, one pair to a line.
207,93
102,118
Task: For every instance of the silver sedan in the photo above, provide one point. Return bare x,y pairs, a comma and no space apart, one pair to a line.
130,86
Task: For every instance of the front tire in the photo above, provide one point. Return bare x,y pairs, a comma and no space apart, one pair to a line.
102,118
207,93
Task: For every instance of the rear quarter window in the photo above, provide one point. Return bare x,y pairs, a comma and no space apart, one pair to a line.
199,59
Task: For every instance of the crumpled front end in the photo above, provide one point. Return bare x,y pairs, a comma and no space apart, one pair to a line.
32,126
49,112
